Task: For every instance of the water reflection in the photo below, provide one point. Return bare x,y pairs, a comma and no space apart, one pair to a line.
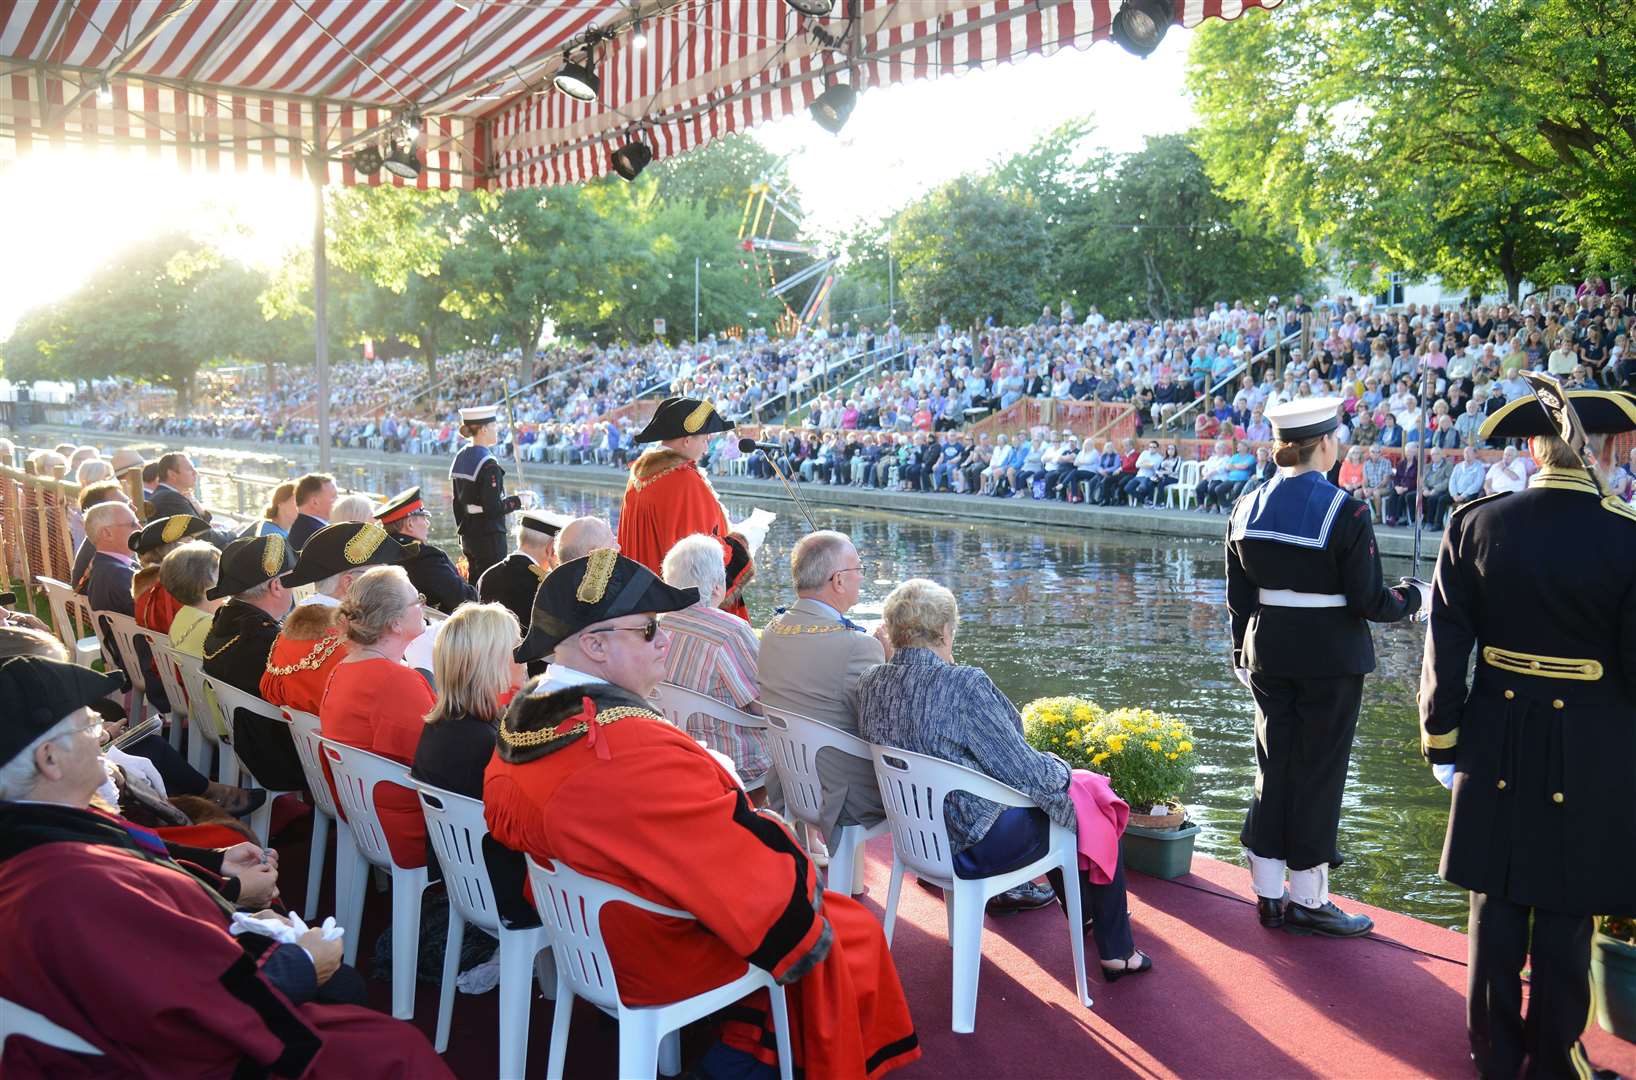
1126,621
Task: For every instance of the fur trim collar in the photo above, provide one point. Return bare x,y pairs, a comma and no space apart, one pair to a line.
535,726
309,622
654,464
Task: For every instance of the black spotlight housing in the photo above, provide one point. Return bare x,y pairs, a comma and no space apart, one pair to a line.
816,9
402,161
367,161
577,80
834,106
629,160
1140,25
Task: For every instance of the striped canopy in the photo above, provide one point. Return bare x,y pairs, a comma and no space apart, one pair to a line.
286,84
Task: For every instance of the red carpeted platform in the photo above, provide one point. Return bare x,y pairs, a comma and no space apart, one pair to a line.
1227,998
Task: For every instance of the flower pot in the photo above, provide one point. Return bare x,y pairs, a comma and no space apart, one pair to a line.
1174,817
1160,853
1613,973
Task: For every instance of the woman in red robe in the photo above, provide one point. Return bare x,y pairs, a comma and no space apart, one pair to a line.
668,498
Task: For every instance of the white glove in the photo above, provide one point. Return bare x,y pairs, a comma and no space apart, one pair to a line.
287,931
1242,674
1425,591
139,766
528,500
1444,774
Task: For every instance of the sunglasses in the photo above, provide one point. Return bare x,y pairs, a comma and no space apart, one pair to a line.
648,632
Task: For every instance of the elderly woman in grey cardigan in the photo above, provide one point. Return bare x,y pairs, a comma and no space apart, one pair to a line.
921,700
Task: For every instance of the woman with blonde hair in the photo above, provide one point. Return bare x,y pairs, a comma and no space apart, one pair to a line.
377,702
476,677
279,515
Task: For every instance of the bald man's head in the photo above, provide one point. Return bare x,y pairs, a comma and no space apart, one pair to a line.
582,536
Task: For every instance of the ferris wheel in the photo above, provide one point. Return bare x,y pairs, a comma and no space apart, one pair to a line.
768,213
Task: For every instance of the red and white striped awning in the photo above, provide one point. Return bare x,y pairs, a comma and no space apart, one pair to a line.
274,85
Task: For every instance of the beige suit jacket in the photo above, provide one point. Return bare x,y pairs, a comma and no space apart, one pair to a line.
810,664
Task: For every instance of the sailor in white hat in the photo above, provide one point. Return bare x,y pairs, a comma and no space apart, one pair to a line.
479,492
1303,584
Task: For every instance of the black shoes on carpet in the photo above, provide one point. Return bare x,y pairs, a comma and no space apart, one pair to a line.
1328,921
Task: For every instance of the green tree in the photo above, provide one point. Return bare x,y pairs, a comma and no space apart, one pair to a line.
1341,118
970,249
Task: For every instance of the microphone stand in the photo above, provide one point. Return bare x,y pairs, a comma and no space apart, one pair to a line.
800,503
1427,385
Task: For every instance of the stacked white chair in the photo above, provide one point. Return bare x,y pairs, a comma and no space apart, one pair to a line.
914,787
357,772
170,677
796,740
229,700
304,733
206,734
677,703
1183,494
570,905
455,828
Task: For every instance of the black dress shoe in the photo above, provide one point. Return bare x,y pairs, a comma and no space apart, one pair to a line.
1272,911
1329,920
1025,897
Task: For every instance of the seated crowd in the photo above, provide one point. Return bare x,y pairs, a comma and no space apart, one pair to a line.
331,617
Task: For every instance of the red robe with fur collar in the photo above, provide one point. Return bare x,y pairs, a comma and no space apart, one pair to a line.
666,499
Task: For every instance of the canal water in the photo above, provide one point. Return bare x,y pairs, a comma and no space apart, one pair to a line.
1123,620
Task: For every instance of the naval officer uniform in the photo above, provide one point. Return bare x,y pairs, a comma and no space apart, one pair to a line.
1303,584
478,485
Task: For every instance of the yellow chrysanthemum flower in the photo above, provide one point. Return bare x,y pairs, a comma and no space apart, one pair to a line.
1153,744
1099,758
1184,746
1173,756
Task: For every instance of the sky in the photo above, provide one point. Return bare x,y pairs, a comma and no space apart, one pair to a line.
68,210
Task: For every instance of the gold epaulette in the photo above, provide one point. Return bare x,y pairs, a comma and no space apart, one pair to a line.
1463,507
1545,667
786,629
1615,505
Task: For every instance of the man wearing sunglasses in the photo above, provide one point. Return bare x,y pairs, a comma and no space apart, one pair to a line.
587,774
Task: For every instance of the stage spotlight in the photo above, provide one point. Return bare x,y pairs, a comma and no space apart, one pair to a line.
367,161
816,9
577,80
105,93
1141,24
639,39
411,127
402,161
833,106
629,160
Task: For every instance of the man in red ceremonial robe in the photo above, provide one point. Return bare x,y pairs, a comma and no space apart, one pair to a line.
111,940
667,497
586,773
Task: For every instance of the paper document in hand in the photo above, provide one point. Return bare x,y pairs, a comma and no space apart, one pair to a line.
754,528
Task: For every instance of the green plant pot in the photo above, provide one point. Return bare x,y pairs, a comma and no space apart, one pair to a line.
1613,972
1160,853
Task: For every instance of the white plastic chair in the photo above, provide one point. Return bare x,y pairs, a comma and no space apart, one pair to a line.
205,732
570,905
356,773
123,629
677,703
63,601
914,787
796,740
304,733
170,678
455,828
1181,494
229,700
17,1019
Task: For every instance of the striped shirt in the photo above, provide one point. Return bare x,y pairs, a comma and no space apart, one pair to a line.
714,653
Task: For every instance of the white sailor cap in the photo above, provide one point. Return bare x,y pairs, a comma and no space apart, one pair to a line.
480,414
1304,418
543,521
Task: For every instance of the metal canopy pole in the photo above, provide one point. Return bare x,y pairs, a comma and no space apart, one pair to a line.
320,295
695,299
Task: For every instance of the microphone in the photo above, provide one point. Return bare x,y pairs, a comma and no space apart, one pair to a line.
750,446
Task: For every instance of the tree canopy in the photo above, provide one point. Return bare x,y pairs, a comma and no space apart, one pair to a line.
1482,142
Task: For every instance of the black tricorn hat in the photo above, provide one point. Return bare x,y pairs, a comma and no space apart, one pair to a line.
346,545
603,585
250,561
167,530
37,692
1602,412
679,417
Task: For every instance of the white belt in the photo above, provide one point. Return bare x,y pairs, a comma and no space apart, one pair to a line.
1291,598
470,509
